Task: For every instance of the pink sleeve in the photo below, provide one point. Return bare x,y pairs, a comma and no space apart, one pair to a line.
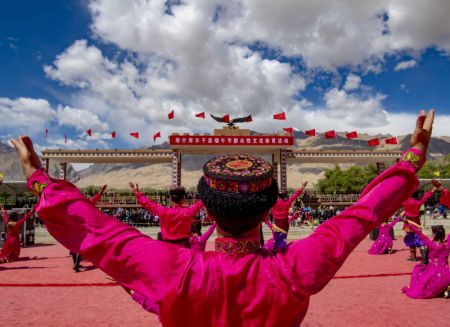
422,237
425,197
396,220
295,195
204,238
22,220
133,259
148,204
269,224
5,216
195,208
316,259
96,198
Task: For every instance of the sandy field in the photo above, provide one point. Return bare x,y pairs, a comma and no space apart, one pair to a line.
42,290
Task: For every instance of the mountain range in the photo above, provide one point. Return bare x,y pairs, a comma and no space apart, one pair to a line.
158,176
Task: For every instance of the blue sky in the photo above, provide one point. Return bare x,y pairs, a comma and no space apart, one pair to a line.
117,65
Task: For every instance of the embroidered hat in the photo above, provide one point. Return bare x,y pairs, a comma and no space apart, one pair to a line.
238,173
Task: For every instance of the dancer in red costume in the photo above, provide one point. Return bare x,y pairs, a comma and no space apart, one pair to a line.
412,213
280,214
236,284
176,221
11,247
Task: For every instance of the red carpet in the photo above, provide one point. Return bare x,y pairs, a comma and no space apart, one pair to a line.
44,291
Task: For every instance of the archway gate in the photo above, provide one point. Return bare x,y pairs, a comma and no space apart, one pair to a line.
226,140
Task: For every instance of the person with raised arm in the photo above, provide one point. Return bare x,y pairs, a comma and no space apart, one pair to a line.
412,212
384,242
198,241
98,196
11,248
280,214
433,279
236,284
175,221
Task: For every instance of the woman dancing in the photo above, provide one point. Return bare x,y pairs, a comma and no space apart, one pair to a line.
384,243
228,286
198,241
280,214
11,247
412,213
431,280
176,221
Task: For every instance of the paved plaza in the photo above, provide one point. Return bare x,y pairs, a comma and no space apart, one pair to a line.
42,290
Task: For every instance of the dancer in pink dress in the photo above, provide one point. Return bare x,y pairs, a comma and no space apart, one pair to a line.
431,280
280,214
11,248
236,284
384,243
176,221
198,242
412,213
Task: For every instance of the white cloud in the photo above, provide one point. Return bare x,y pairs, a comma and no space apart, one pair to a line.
80,119
25,114
356,111
352,82
200,58
405,65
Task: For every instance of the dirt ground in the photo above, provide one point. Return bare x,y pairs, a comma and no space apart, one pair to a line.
42,290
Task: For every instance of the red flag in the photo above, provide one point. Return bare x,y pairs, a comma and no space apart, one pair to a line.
65,138
46,132
374,142
351,135
113,134
135,134
280,116
89,132
226,118
171,115
249,119
330,134
200,115
311,132
289,130
391,140
156,135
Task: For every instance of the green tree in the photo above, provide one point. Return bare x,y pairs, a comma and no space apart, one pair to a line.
350,181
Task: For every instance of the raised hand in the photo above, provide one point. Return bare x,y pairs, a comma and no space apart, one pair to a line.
28,157
420,139
304,184
436,183
134,187
103,189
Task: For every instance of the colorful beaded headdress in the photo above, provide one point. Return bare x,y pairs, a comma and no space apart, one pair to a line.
238,173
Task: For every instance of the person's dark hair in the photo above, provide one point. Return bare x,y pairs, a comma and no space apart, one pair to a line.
177,194
196,228
283,195
237,213
159,236
13,216
438,233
